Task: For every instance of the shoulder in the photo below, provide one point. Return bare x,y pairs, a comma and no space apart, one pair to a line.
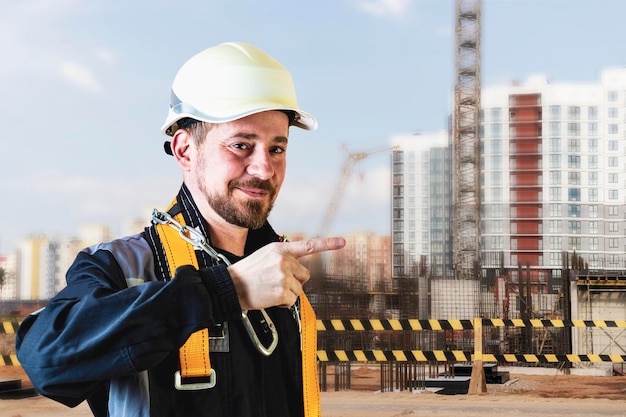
131,255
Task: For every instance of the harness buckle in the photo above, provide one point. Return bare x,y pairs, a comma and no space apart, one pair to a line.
194,386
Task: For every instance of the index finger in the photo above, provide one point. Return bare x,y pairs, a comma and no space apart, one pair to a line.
302,248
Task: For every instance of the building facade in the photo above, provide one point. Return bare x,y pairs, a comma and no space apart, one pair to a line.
554,173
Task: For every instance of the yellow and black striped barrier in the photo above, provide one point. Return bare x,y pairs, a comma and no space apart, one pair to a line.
8,327
455,356
433,324
553,323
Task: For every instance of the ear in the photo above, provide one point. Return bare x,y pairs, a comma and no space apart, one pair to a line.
182,145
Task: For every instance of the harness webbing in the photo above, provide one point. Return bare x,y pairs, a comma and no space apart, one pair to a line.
310,386
194,354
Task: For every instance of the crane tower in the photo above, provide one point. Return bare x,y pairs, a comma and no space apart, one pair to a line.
466,228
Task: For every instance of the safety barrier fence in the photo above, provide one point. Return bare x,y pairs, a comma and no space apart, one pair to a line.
10,327
410,365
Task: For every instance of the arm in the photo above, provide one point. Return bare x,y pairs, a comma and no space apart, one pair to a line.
97,329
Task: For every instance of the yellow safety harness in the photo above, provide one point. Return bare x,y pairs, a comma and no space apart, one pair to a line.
194,359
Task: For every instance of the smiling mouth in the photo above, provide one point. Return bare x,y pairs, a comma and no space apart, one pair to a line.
254,189
253,193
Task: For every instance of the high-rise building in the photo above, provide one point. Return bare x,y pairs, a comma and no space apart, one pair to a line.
421,204
37,268
554,173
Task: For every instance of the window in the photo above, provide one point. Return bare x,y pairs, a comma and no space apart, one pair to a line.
496,130
573,129
613,195
496,178
612,145
496,162
613,178
612,96
555,112
592,113
593,243
555,210
592,145
555,161
593,227
613,211
613,114
555,193
496,115
555,177
497,226
593,211
555,145
573,210
613,243
592,161
593,194
555,242
573,178
574,243
496,146
612,161
573,227
573,161
573,194
613,129
592,129
555,129
573,145
554,226
593,178
613,227
573,112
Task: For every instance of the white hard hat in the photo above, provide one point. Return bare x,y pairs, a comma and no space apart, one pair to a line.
230,81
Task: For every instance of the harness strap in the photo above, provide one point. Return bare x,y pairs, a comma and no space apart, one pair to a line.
194,354
310,386
194,357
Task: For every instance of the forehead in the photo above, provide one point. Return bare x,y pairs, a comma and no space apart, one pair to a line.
268,125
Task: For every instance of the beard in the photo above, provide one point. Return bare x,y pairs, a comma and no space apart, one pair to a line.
251,214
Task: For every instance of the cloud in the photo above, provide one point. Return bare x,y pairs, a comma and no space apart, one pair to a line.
79,76
385,8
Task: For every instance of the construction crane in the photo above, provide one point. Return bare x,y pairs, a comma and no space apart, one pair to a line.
466,140
346,173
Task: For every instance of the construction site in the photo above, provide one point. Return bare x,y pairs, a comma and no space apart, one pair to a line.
500,309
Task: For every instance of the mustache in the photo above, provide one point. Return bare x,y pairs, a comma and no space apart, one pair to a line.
252,183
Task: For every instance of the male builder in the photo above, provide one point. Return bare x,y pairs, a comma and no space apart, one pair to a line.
202,313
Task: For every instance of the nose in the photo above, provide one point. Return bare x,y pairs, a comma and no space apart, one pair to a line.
260,165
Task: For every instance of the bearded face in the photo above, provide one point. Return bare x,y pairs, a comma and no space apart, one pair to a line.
247,213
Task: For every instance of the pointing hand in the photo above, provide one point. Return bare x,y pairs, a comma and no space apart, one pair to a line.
273,276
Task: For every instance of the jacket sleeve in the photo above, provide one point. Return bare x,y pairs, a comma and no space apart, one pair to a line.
97,328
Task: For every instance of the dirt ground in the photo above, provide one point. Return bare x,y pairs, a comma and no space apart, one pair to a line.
522,395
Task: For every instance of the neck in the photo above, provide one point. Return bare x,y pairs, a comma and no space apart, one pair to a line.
227,237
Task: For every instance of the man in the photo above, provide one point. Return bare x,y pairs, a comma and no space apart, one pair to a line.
201,314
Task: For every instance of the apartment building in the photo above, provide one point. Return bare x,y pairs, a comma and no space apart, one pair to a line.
554,172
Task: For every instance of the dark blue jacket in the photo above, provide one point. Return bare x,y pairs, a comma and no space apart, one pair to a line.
111,342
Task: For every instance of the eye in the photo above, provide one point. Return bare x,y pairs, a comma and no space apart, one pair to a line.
278,150
242,146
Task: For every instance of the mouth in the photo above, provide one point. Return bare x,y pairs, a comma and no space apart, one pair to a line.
253,193
255,190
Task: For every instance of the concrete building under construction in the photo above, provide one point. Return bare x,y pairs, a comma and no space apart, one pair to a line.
553,226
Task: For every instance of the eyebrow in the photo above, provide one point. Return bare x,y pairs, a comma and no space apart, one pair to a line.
251,136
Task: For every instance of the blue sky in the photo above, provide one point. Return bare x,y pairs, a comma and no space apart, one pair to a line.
85,87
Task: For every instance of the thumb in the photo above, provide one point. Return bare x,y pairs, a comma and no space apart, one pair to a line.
302,248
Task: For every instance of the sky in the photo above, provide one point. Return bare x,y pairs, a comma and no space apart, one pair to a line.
85,87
